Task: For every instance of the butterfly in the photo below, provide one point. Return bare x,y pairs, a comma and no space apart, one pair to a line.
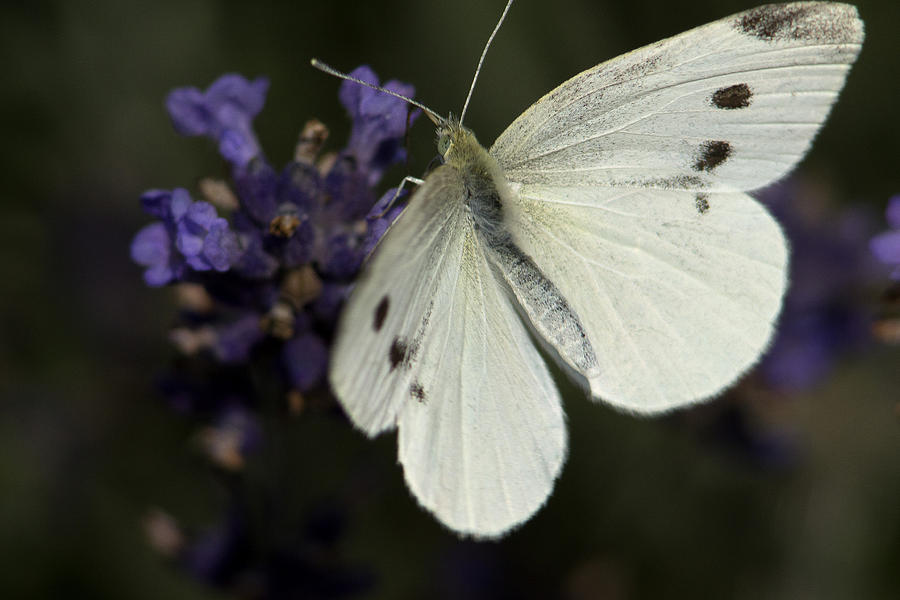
608,227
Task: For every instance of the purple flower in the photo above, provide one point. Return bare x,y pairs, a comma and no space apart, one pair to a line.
166,205
379,122
327,306
886,246
234,340
152,248
274,273
224,112
189,235
205,239
302,186
341,255
255,262
347,185
257,186
298,248
821,319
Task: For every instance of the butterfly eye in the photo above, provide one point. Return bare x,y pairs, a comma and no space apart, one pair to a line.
443,145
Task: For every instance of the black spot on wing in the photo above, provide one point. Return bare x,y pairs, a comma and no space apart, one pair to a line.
712,154
381,312
417,392
821,22
398,353
403,351
702,203
731,97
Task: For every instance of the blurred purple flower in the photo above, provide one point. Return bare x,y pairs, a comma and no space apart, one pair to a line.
152,248
341,255
224,112
235,339
886,246
822,318
327,305
305,359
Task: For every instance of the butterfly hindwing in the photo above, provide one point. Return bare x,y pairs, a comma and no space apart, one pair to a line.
431,342
677,302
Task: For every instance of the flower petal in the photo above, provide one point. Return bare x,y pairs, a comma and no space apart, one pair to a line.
187,109
150,246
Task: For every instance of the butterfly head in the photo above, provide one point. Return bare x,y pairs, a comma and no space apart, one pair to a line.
455,143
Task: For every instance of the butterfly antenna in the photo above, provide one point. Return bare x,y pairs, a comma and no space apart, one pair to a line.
435,118
481,60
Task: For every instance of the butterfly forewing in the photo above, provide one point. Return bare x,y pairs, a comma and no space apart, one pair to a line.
386,318
431,342
733,104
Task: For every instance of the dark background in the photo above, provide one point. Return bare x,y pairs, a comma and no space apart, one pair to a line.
643,508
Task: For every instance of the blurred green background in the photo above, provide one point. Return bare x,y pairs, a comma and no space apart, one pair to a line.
642,510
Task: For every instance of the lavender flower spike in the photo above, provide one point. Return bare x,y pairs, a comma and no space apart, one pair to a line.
263,269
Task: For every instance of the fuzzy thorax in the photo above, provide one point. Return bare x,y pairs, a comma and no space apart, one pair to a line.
481,175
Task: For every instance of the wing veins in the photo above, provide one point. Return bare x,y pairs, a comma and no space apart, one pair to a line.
679,65
674,333
659,258
623,329
644,116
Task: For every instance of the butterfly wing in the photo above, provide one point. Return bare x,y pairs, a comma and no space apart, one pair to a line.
733,104
629,180
676,303
430,342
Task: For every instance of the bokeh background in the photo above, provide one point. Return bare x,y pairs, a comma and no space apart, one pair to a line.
799,499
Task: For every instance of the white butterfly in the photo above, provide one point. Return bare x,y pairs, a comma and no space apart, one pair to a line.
608,222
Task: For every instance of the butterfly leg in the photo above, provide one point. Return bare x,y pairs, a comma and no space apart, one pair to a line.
407,179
